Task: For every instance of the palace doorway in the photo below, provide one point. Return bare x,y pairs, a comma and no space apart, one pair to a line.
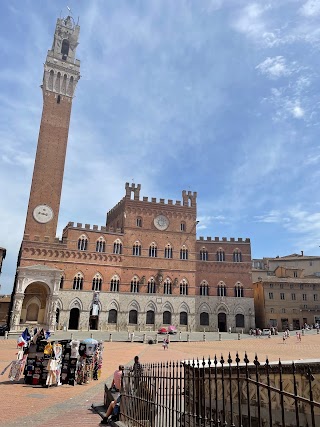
74,318
222,322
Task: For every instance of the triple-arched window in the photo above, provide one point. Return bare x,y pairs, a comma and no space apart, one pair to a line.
151,286
184,253
117,247
203,254
114,284
82,243
153,250
222,290
184,287
136,249
168,251
204,288
167,287
97,282
78,282
221,255
100,245
237,257
135,285
238,290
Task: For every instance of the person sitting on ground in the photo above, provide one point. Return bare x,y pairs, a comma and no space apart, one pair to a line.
113,411
117,378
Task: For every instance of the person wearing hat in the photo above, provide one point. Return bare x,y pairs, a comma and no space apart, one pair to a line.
117,378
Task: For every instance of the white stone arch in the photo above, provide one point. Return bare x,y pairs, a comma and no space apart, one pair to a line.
222,308
90,305
204,308
59,304
184,307
83,236
238,310
167,306
134,305
137,243
115,277
221,283
151,306
113,305
76,303
118,241
34,300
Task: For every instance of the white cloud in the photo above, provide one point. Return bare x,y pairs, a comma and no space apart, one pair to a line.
310,8
274,67
297,112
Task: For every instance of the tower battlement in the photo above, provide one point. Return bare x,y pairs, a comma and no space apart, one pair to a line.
223,240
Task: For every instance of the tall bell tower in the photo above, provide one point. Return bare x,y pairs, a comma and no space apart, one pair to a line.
60,77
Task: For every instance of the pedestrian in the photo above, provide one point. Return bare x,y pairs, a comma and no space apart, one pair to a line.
164,343
299,336
117,379
269,334
137,372
284,337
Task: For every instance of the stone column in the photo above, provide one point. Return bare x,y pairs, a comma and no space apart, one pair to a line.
16,313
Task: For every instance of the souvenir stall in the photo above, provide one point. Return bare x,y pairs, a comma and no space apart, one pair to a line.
46,363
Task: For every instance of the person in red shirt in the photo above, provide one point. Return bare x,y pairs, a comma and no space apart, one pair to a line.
117,378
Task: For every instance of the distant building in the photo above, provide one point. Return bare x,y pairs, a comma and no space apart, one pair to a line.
286,291
3,253
143,269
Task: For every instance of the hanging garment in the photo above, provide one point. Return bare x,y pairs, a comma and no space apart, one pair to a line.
75,348
52,372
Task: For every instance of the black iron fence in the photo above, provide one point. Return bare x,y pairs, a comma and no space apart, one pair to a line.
218,392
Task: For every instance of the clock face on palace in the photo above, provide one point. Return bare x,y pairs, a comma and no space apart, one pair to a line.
161,222
43,214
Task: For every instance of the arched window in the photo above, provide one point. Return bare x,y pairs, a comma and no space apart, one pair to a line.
182,226
222,292
153,250
112,316
151,286
150,317
78,282
61,282
100,245
97,282
82,243
238,290
204,288
133,317
114,284
183,253
135,285
117,247
166,318
136,249
168,251
183,287
167,287
204,319
65,48
203,255
237,257
240,321
50,80
139,221
183,318
221,255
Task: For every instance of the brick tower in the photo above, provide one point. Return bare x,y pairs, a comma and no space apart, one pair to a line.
60,77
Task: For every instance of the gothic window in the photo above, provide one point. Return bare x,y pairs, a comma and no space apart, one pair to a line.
136,249
203,255
61,282
97,282
135,285
82,243
114,284
65,48
183,253
153,250
204,319
133,317
183,226
78,282
184,287
168,251
139,222
237,257
167,287
222,292
166,318
117,247
204,289
183,318
221,255
100,245
150,317
238,290
240,321
112,316
50,80
151,286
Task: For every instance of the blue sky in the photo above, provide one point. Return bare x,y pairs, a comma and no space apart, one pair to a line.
218,97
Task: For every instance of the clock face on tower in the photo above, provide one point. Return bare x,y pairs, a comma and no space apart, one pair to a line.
43,214
161,222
